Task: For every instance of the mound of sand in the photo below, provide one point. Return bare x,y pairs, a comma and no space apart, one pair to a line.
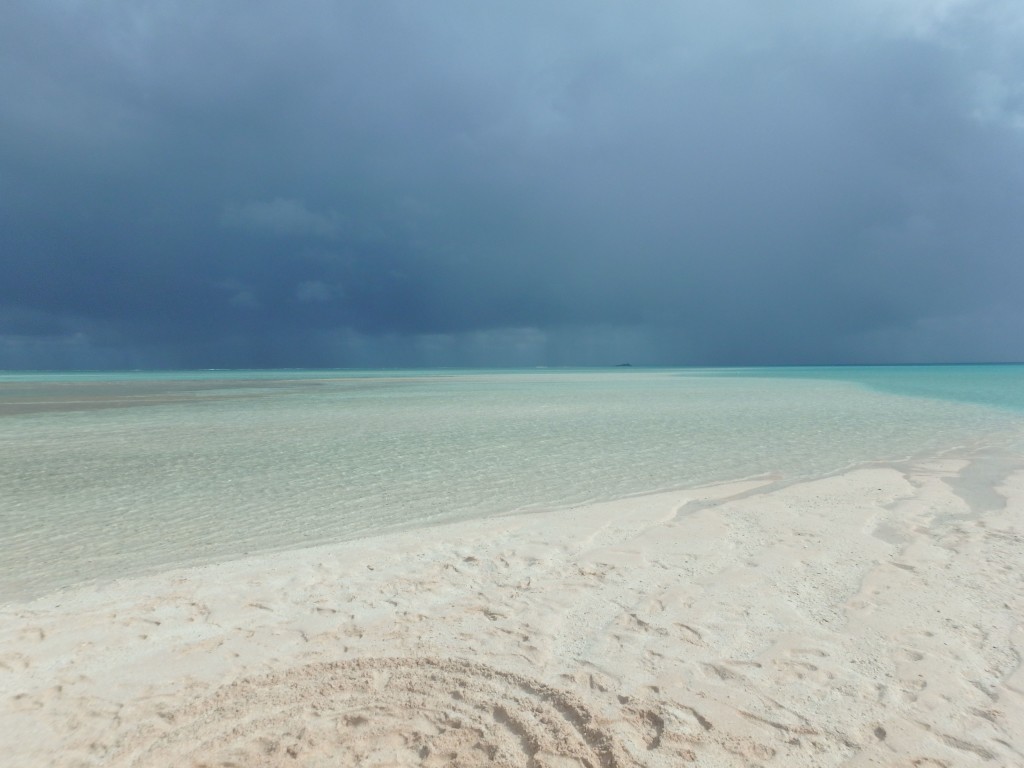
388,711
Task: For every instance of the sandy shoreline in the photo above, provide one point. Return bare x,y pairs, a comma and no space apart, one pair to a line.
871,618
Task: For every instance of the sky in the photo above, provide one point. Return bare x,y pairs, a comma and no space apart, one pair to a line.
386,183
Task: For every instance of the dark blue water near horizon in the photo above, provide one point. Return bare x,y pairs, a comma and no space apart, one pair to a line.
999,385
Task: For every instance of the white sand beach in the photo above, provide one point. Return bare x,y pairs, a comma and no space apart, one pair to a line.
867,619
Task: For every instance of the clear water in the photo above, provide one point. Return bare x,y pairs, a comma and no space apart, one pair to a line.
108,475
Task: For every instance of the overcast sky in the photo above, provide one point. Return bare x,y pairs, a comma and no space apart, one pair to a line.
245,183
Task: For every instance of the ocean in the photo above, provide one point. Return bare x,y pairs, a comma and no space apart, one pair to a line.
110,475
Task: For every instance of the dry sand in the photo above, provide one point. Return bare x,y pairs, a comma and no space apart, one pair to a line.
872,618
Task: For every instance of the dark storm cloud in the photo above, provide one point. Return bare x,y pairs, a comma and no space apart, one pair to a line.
388,183
282,217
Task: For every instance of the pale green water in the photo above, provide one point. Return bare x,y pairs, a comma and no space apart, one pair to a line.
105,475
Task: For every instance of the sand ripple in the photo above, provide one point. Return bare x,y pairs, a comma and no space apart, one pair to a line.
385,711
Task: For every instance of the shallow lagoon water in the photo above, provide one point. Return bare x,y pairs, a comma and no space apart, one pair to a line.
111,475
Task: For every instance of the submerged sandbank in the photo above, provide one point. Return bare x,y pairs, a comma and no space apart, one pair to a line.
868,618
156,471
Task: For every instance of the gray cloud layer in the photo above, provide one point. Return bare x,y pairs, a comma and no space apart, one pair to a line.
400,183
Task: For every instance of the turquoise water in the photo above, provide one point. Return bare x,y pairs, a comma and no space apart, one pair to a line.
1000,386
109,475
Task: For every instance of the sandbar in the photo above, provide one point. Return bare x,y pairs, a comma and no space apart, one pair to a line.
870,618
